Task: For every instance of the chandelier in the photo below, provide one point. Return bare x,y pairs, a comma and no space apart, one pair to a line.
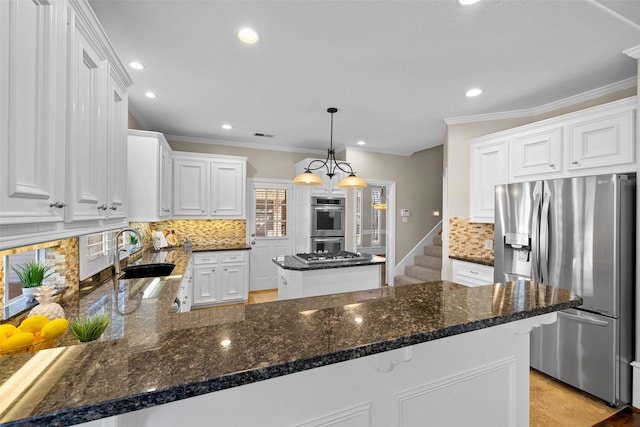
332,166
381,203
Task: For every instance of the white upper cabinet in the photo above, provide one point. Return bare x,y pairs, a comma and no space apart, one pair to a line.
209,186
488,169
149,176
63,114
190,187
117,149
329,186
228,181
602,140
533,154
32,127
597,140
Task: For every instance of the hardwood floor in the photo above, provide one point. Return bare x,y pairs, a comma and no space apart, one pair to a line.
553,404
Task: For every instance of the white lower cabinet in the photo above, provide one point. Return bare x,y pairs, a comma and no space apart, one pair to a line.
471,274
416,386
220,278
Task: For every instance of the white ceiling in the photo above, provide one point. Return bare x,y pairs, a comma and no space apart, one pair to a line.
394,69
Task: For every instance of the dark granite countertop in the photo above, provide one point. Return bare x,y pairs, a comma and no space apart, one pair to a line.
476,260
152,356
289,262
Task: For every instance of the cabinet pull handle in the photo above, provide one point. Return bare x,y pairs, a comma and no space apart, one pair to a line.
58,205
552,165
284,281
473,272
102,208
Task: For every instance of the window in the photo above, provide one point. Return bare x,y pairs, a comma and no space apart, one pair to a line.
376,216
271,212
12,285
95,251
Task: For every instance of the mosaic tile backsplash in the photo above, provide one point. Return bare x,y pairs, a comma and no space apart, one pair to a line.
466,239
200,232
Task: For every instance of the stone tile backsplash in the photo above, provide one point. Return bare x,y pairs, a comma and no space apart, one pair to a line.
466,239
200,232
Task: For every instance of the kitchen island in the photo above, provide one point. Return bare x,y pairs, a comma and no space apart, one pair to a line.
381,357
297,278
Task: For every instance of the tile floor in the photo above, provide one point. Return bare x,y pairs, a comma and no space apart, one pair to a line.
553,404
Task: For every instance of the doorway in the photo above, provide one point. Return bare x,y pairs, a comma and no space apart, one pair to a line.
375,223
269,228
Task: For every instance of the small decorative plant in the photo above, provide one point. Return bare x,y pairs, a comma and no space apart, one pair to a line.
33,273
89,328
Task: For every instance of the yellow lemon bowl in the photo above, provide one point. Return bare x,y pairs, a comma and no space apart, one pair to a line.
34,346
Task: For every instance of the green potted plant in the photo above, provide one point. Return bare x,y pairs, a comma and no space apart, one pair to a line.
89,328
32,275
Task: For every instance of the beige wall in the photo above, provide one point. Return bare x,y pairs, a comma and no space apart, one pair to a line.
418,181
133,123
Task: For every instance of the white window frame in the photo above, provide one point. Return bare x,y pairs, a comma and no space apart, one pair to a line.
39,255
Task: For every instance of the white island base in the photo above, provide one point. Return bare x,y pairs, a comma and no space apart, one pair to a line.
309,283
478,378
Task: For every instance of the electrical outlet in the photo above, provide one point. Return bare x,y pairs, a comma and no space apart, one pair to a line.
488,244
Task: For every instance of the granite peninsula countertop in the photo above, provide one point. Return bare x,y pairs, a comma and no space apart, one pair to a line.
289,262
474,259
152,356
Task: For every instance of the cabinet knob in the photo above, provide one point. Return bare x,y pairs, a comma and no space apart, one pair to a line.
552,165
102,207
58,205
113,208
575,162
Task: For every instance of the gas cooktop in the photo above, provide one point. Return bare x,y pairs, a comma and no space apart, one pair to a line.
319,257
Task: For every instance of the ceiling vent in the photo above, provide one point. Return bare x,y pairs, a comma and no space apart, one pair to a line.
264,135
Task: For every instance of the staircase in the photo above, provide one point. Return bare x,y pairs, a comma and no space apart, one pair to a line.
425,268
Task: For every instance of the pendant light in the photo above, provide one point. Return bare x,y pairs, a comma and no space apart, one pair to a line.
381,204
331,164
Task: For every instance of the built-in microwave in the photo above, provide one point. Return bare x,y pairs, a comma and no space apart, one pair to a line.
327,216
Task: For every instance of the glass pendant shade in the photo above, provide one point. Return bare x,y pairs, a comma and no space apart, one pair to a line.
307,178
352,181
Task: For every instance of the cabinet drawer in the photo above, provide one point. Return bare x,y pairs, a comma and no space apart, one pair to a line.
205,258
470,274
235,256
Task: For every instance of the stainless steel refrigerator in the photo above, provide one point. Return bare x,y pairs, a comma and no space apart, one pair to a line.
577,234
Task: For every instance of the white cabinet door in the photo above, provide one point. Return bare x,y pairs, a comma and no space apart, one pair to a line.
598,140
87,126
228,182
117,147
32,130
488,169
149,158
206,285
535,154
166,181
190,188
233,282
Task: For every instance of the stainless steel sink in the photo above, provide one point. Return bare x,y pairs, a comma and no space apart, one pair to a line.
147,270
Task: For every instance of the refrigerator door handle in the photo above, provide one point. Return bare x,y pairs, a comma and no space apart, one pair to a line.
535,235
544,239
583,319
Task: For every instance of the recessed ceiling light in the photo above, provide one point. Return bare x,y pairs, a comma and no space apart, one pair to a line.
248,35
473,92
468,2
226,126
361,142
136,65
150,95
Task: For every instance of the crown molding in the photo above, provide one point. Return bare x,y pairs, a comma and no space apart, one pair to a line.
242,144
633,52
566,102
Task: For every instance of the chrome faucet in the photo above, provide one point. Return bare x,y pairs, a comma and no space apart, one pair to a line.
116,252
